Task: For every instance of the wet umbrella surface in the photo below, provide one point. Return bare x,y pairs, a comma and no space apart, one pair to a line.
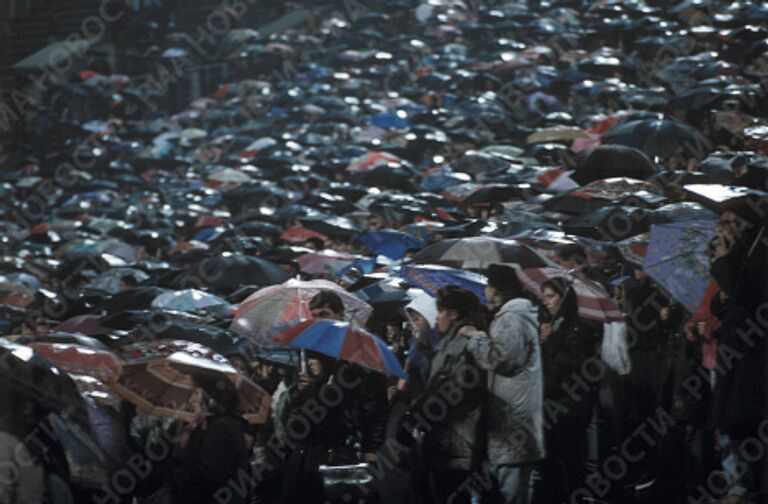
213,215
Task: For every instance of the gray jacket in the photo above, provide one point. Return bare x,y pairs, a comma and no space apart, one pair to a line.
512,357
453,404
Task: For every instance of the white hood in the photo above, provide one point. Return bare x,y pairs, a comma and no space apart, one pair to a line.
425,305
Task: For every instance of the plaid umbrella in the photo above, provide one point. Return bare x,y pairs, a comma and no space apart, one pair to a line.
271,309
678,259
594,302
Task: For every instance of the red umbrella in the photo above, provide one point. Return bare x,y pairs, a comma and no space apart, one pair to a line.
594,301
167,385
300,234
83,324
81,360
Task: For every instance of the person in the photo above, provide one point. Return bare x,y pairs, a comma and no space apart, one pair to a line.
511,356
453,446
739,267
567,342
422,314
22,476
335,438
217,452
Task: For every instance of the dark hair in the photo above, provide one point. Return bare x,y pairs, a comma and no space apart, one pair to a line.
569,304
504,279
329,298
466,304
572,252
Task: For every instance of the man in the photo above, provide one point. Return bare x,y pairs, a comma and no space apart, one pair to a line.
511,355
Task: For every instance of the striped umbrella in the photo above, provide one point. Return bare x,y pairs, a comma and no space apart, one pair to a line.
342,341
594,302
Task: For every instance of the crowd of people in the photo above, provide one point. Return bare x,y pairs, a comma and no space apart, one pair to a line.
408,252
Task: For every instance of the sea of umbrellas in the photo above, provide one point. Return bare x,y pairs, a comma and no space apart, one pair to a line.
422,144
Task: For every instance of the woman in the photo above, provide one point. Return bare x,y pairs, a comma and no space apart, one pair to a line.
567,342
453,447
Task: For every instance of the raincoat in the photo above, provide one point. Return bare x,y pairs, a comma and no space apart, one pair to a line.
512,356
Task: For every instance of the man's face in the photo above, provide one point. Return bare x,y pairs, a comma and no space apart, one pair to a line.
732,224
325,312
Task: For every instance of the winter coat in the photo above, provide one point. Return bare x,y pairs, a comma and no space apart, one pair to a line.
454,440
512,357
573,342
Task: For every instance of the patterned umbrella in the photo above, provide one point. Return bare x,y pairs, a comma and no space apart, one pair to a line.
342,341
165,385
678,259
594,302
272,309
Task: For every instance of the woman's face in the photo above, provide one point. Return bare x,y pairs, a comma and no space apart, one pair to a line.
551,300
420,324
445,319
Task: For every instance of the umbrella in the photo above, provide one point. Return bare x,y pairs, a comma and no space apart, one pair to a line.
136,298
594,302
557,133
601,193
227,273
719,198
327,262
678,259
613,161
189,300
662,138
634,249
372,160
271,309
331,225
83,324
164,385
492,193
391,243
300,234
81,360
342,341
480,252
681,212
610,223
431,278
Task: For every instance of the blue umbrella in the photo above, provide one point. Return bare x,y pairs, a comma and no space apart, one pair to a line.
391,243
432,277
678,259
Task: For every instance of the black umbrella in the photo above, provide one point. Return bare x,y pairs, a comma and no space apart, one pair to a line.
479,252
227,273
136,298
610,224
491,193
331,225
219,340
662,138
608,161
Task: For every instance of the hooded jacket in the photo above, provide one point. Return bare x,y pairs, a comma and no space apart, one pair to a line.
512,357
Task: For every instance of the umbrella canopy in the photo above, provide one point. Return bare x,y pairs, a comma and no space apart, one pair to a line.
227,273
300,234
83,324
165,385
391,243
81,360
610,224
326,262
660,138
189,300
342,341
372,160
271,309
479,253
678,259
608,161
431,278
594,301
